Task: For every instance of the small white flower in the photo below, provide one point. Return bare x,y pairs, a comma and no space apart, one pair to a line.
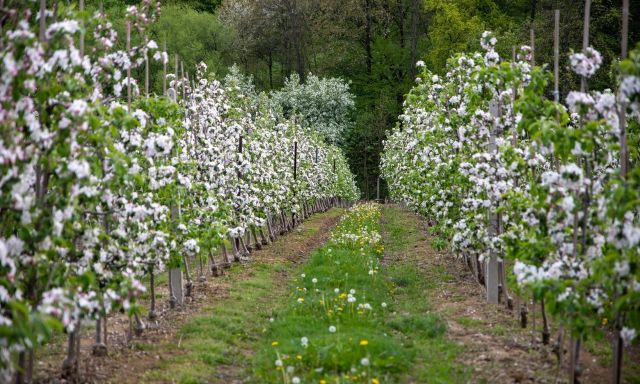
627,335
304,341
622,268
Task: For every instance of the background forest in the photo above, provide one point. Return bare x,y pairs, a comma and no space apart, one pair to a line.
373,44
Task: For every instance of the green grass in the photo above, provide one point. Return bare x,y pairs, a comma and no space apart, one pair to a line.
360,334
222,337
422,331
469,322
406,340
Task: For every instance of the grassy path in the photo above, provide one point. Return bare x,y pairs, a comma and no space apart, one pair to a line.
215,345
423,330
478,342
358,314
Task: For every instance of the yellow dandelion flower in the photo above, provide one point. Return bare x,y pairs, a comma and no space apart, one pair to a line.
364,343
274,343
323,381
375,381
299,357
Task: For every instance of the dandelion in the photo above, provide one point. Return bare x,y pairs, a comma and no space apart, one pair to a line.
375,381
383,305
352,291
303,275
336,290
274,343
314,280
332,329
295,380
299,357
364,343
300,300
278,363
364,362
304,341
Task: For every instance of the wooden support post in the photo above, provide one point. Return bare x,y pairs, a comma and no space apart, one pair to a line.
556,55
129,67
618,345
175,81
184,87
164,70
532,34
585,38
175,279
43,21
624,149
146,69
492,280
176,293
81,45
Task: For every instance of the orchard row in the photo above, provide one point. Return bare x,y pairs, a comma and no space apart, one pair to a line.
101,187
536,195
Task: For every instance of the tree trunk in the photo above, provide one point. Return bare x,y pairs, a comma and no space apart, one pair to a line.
367,37
270,65
415,9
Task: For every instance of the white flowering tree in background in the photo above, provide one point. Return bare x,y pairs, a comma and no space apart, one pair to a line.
513,181
101,187
324,104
